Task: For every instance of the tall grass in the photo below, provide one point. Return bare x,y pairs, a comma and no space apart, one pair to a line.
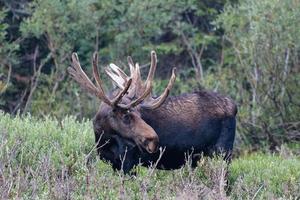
51,159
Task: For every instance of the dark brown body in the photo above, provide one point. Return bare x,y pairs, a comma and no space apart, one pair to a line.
195,123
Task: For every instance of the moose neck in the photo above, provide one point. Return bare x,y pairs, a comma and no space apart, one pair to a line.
175,110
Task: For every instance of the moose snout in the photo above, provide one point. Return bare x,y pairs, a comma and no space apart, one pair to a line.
151,145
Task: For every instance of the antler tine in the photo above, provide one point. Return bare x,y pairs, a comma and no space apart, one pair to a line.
141,98
148,86
116,100
131,65
161,99
138,74
148,83
118,71
102,95
116,78
138,86
134,70
152,67
78,74
119,77
122,93
96,72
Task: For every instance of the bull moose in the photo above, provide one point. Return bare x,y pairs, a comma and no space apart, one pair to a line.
131,124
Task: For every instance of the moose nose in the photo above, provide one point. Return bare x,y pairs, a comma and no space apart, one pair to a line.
151,145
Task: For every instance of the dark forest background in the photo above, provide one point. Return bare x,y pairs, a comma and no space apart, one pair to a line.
249,50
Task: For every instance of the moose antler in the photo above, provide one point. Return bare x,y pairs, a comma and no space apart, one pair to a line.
143,90
117,75
148,84
79,76
155,103
135,73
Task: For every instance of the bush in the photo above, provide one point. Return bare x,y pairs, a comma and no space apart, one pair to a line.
265,176
47,158
7,59
48,31
261,69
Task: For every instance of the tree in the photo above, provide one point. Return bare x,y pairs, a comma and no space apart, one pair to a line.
263,60
50,30
7,60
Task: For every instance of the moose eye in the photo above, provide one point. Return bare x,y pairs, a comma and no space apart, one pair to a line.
127,119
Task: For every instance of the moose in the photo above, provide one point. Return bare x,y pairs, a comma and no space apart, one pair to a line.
131,124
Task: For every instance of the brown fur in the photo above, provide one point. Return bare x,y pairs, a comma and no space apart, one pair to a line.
112,121
196,106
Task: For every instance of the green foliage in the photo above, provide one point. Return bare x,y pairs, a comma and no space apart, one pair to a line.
7,56
250,52
270,176
262,68
47,158
65,27
115,29
34,138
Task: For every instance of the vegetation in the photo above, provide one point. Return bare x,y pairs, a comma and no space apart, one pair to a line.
49,31
248,50
51,158
264,38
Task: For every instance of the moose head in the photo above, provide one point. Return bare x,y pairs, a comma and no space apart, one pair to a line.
119,112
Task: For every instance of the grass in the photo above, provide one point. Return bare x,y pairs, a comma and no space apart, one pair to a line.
51,159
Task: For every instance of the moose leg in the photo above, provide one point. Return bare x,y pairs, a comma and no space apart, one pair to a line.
224,144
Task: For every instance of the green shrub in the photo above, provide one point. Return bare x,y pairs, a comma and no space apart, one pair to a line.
47,158
268,175
50,30
261,69
7,60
